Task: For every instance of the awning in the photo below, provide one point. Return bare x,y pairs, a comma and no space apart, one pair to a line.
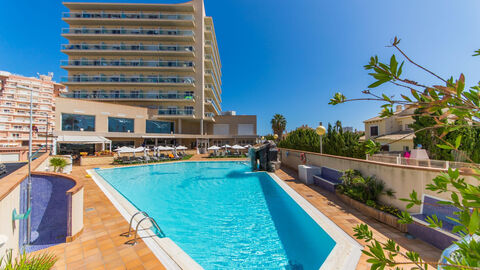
82,139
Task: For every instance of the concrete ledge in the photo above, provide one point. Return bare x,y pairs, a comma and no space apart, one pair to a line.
324,183
306,173
434,236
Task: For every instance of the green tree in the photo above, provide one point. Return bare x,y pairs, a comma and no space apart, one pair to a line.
427,135
279,123
335,141
450,100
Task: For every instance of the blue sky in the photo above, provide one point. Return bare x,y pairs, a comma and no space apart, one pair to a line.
286,57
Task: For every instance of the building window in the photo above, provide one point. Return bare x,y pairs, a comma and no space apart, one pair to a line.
120,124
159,127
374,131
78,122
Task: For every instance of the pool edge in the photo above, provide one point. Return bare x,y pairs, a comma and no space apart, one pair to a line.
345,247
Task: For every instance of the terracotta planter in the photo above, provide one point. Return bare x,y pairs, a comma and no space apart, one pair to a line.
381,216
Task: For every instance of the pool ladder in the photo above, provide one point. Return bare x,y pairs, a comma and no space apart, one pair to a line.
133,241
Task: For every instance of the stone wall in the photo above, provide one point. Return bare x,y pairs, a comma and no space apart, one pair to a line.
400,178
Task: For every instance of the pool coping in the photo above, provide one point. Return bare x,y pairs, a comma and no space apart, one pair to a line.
173,257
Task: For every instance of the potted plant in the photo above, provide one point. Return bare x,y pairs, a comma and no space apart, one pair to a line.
58,164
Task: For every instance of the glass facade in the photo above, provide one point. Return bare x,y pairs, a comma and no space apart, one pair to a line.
159,127
78,122
120,124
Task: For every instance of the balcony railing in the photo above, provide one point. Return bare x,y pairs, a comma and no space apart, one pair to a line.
209,114
93,95
129,79
123,47
121,31
213,90
175,111
127,63
122,15
211,101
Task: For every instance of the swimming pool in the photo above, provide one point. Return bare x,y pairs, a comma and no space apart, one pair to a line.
224,216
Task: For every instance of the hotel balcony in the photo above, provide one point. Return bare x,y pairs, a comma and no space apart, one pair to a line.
210,88
212,50
99,95
128,80
128,34
175,113
212,79
121,18
118,64
209,116
211,63
210,102
123,49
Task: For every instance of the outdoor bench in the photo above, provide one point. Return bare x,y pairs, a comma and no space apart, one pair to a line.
328,179
440,238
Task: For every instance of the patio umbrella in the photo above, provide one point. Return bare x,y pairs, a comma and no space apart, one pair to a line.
214,148
247,146
226,146
181,147
238,147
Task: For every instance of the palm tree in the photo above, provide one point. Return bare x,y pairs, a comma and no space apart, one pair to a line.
338,125
279,123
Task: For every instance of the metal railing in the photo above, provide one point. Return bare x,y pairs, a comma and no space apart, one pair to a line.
123,31
429,163
126,63
211,86
125,47
176,111
100,95
212,102
127,79
146,217
122,15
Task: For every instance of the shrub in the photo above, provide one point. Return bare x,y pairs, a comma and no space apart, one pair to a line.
42,261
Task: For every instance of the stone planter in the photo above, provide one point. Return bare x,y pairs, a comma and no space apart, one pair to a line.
381,216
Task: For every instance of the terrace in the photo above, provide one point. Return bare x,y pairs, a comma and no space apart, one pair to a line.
100,246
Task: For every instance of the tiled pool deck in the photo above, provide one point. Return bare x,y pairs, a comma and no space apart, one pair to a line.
100,245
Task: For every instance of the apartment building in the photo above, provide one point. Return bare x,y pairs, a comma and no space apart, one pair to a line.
89,126
394,132
15,92
163,57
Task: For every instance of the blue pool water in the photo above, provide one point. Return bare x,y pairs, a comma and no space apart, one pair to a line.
224,216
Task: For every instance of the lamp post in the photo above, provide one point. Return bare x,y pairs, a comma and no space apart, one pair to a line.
275,137
321,131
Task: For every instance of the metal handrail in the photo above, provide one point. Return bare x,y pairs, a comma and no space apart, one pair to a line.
146,217
131,221
152,220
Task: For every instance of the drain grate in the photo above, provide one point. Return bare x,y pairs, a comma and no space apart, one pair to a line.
89,209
